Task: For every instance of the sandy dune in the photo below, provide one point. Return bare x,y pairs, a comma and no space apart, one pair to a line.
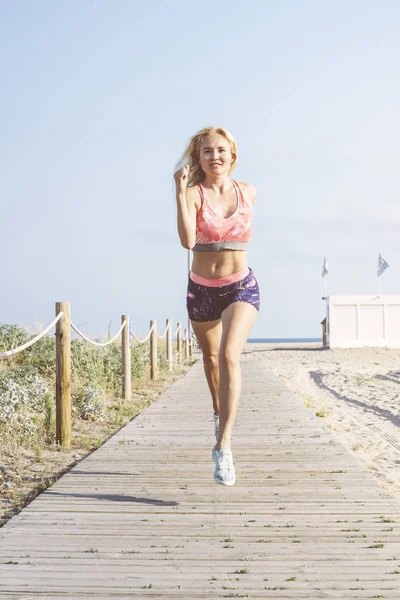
358,391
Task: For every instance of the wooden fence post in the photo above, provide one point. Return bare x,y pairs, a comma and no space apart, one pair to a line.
186,345
63,375
153,351
179,342
126,359
191,348
169,343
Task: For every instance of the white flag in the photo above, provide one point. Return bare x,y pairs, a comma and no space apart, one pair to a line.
325,268
382,265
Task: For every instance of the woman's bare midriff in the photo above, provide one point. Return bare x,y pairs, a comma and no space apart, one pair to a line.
214,265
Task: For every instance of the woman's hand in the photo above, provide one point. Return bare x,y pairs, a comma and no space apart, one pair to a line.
181,179
186,208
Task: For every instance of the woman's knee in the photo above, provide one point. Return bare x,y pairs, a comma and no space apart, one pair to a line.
228,359
210,360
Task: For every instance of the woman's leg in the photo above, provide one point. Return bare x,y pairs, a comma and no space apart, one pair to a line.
237,320
208,335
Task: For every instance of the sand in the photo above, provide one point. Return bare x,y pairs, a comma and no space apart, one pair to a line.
358,392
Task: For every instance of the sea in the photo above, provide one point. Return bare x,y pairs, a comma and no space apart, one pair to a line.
282,340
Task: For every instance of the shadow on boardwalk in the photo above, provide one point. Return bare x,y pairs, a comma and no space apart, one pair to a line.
117,498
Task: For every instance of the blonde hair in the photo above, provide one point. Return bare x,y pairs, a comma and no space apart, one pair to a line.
191,155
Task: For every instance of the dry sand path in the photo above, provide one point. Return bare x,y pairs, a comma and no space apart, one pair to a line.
141,517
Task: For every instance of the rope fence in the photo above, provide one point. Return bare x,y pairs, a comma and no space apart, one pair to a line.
101,344
63,325
31,342
164,334
144,339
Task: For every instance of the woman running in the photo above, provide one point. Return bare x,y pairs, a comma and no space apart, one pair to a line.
214,221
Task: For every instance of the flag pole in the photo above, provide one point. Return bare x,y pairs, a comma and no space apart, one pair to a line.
325,275
382,266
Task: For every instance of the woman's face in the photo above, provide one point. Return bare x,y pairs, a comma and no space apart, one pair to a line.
215,154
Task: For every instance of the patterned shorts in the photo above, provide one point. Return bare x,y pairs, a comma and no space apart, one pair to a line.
206,303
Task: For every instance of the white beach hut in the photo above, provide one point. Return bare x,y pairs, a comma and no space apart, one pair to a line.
356,321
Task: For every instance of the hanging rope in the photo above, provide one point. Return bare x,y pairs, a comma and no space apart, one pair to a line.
146,338
31,342
102,344
165,332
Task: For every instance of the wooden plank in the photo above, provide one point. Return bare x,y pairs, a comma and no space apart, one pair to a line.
142,517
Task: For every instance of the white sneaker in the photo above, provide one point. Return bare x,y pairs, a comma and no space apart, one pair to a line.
224,470
216,426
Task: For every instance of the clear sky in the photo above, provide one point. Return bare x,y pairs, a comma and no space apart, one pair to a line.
98,101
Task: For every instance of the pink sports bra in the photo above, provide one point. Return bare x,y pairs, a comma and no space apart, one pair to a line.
218,233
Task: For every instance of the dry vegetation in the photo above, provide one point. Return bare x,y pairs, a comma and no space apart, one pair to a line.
30,460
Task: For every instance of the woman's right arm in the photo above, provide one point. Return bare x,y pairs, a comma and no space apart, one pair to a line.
185,199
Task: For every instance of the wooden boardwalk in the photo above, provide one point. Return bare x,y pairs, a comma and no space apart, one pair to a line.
142,517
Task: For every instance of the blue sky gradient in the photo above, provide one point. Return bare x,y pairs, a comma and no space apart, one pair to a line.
99,99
